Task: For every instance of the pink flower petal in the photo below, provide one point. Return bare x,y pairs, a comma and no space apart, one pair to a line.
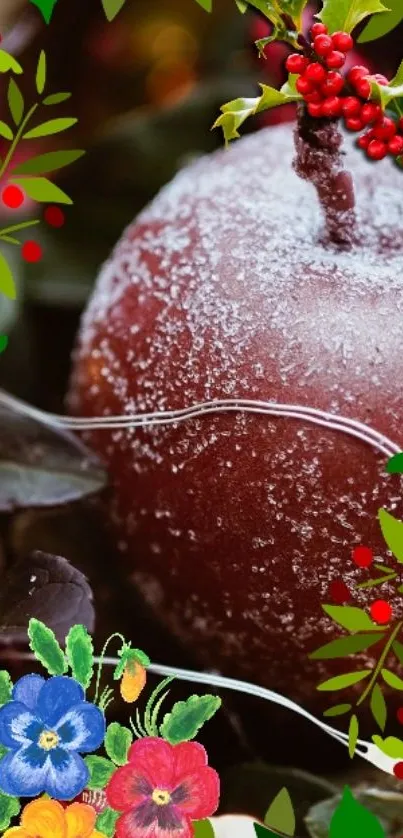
127,788
154,758
199,794
189,757
127,827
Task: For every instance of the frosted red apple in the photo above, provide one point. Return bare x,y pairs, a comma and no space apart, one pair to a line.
233,526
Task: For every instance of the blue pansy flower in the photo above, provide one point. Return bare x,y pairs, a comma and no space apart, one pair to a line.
46,727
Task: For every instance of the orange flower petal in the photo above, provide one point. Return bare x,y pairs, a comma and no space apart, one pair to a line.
44,819
17,832
96,834
80,820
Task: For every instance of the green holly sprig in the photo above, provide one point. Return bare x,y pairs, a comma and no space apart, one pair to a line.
47,7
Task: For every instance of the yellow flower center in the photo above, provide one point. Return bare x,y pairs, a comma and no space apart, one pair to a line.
161,797
48,740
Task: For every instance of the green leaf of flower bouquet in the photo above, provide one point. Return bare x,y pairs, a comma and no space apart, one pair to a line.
46,648
101,771
46,8
381,24
392,531
351,819
378,707
56,98
9,808
203,829
6,686
5,131
117,743
3,751
234,113
345,15
7,284
340,682
352,735
15,101
106,822
187,717
395,464
280,814
52,126
351,618
80,654
51,161
344,646
43,190
7,62
391,746
391,679
112,7
337,710
41,72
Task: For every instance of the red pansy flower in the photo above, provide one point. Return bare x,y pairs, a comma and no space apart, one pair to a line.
162,789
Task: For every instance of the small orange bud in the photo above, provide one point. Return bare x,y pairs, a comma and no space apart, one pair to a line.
133,681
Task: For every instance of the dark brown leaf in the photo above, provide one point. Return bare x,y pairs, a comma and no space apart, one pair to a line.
46,587
41,466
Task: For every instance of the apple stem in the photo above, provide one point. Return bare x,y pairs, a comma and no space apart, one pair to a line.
319,159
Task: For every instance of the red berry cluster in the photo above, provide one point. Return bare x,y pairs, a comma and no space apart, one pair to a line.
380,610
329,94
13,197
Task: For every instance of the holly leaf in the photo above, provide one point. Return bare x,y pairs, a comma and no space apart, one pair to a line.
112,7
106,822
378,706
46,648
280,814
386,93
80,654
101,771
9,809
351,819
41,72
391,746
338,710
187,717
52,126
46,7
352,735
6,686
7,63
340,682
344,646
51,161
352,618
392,531
235,113
391,679
294,9
382,23
15,101
117,743
345,15
7,284
43,190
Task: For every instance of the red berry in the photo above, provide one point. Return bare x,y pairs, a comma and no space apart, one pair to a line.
339,591
399,715
54,216
315,109
332,106
315,73
395,145
356,73
315,97
32,251
322,44
385,129
342,41
351,106
296,63
12,196
318,29
354,123
398,770
362,556
370,113
304,86
333,84
377,150
335,59
363,88
380,610
380,79
364,141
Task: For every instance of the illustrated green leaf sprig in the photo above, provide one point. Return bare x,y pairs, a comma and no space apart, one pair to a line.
110,7
280,814
352,819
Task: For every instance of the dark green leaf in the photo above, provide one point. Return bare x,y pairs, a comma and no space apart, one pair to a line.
280,814
378,26
345,15
351,819
351,618
378,707
187,717
48,162
56,98
5,131
391,679
7,285
203,829
6,686
41,72
45,7
352,735
15,101
398,650
344,646
340,682
7,62
43,190
395,464
264,832
338,710
80,655
46,648
52,126
101,771
117,743
112,7
3,343
3,751
9,808
106,822
384,802
392,531
391,746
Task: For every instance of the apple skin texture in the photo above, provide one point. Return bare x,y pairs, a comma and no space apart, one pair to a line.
234,525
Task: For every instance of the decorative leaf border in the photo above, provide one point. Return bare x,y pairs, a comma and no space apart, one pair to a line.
47,7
